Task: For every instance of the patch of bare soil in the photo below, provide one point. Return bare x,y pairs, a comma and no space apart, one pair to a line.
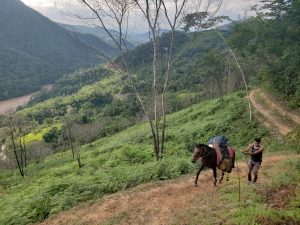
280,197
147,204
274,105
279,221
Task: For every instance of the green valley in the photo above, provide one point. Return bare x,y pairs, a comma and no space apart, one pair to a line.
111,141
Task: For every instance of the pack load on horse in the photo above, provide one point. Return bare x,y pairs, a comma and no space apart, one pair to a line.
215,155
225,153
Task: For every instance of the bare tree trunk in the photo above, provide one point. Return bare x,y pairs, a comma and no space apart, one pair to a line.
242,73
70,139
11,131
172,23
155,68
22,152
25,152
164,115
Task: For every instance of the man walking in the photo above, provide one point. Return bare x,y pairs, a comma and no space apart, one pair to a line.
256,151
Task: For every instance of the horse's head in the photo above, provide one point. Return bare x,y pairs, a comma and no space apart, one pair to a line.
198,152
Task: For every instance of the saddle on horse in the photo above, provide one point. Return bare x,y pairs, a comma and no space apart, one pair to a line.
225,153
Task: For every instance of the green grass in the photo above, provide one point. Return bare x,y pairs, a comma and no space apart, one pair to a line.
222,206
121,161
254,208
37,135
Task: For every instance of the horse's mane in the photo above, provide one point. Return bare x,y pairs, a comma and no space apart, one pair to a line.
202,145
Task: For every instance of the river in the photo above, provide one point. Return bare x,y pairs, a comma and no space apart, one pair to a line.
12,104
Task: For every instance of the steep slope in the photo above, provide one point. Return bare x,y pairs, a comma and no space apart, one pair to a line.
121,161
170,202
35,51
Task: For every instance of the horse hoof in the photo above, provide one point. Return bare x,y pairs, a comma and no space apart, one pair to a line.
196,185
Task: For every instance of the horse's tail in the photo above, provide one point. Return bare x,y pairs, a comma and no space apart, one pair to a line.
232,156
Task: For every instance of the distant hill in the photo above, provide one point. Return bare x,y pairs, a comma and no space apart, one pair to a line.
98,32
35,51
132,39
143,37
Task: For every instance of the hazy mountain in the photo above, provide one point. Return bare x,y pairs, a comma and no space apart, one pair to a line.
132,39
143,37
98,32
35,51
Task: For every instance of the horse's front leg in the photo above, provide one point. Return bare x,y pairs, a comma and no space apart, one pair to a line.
215,176
196,180
220,181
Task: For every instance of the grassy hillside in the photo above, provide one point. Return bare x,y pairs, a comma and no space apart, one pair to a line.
121,161
194,76
36,51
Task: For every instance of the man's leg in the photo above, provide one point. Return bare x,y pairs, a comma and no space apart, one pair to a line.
250,165
255,171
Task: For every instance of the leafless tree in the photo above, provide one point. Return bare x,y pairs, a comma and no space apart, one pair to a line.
68,123
241,70
37,151
157,13
204,20
12,133
87,133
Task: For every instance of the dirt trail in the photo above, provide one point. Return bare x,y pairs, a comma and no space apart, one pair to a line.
293,116
153,203
275,116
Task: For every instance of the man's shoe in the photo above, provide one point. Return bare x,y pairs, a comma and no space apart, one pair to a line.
249,177
255,179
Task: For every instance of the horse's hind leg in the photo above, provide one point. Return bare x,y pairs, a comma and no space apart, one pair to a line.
196,180
220,181
215,176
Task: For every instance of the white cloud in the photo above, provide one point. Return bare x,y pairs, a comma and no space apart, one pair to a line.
39,3
237,8
57,10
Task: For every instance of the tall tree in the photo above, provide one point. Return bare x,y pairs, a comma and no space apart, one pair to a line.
157,14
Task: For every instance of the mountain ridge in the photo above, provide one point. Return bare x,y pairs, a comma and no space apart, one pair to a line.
36,51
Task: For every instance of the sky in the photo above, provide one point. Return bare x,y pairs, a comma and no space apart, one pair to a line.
56,11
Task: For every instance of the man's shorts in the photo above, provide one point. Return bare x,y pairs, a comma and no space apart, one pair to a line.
254,167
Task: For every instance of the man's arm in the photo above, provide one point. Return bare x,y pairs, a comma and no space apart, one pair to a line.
261,149
246,151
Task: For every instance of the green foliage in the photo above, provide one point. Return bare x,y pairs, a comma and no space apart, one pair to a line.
72,83
121,161
270,41
40,209
52,135
255,209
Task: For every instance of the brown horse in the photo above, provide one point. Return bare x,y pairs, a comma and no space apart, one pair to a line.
208,157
